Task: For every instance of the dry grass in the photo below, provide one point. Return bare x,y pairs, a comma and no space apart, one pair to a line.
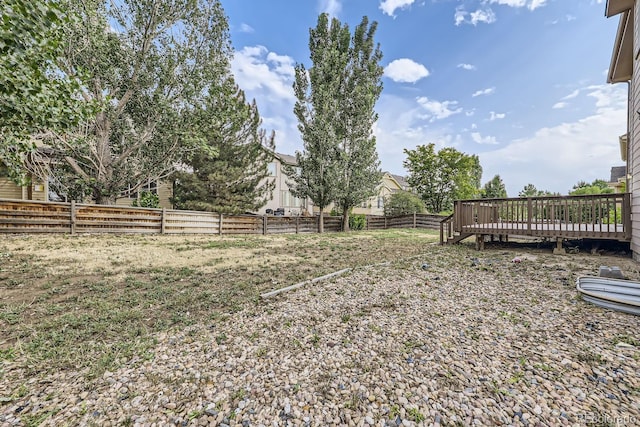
95,301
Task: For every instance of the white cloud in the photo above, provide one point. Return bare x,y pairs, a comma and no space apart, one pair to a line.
254,67
461,16
487,91
403,124
570,18
572,95
389,6
584,149
559,105
496,116
477,138
530,4
469,67
470,113
268,78
474,126
487,16
437,110
405,70
246,28
332,7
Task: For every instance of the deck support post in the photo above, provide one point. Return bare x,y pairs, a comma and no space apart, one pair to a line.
559,250
480,242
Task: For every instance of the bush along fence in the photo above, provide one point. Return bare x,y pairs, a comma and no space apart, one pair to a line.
17,216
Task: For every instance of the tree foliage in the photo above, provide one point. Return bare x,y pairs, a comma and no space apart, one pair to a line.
148,65
234,179
598,186
335,111
34,95
441,177
530,190
494,189
403,203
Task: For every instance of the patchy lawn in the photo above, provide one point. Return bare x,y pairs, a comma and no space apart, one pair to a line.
72,302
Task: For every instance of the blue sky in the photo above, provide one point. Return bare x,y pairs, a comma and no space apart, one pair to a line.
521,83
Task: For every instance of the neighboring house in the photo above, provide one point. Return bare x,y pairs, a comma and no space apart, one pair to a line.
625,68
41,191
164,190
38,190
402,181
375,205
618,179
283,202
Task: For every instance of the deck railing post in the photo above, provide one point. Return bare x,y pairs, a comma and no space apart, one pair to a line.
626,215
529,213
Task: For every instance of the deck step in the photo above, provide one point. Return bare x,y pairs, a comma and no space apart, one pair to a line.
458,238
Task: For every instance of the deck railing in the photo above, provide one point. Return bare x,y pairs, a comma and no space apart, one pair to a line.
601,216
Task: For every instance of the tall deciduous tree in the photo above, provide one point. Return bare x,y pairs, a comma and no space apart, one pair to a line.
530,190
494,189
230,175
441,177
335,110
598,186
34,95
150,64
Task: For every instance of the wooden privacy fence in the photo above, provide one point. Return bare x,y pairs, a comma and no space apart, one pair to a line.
17,216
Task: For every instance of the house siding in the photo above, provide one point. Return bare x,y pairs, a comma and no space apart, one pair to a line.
9,190
634,155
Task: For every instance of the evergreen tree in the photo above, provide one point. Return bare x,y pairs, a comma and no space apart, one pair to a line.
229,174
334,107
494,189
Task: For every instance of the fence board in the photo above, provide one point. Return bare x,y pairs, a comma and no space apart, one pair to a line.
17,216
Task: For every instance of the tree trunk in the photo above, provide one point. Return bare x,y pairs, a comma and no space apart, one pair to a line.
345,220
321,221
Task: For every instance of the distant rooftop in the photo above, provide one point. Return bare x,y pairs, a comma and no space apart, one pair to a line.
617,173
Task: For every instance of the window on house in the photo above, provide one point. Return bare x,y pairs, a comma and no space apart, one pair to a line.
272,169
151,186
380,202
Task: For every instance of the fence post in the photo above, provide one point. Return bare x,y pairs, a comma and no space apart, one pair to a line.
163,221
220,225
385,222
73,217
264,225
297,223
414,220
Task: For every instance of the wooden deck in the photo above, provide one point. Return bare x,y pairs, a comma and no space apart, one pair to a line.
602,216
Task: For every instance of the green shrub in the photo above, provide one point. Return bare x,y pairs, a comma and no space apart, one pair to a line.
403,203
357,222
147,200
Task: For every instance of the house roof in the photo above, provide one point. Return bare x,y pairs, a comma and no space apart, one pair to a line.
621,67
401,180
615,7
286,158
617,172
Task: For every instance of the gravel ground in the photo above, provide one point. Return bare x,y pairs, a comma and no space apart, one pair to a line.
442,339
